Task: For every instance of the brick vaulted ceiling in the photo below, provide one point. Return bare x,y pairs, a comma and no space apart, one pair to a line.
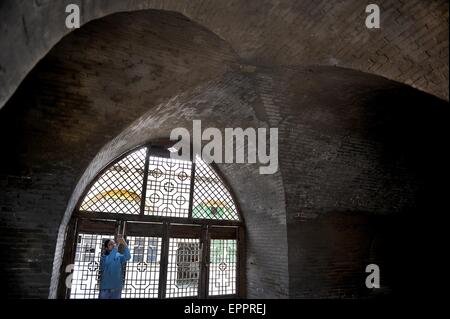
411,47
351,136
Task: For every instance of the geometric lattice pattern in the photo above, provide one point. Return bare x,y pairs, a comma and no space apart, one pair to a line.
183,270
142,271
211,199
168,187
118,190
222,267
168,193
86,267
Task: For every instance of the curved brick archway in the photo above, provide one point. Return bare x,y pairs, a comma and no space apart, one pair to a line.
411,47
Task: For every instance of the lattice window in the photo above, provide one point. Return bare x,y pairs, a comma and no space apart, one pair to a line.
172,188
142,272
118,190
183,267
211,199
86,266
168,187
222,267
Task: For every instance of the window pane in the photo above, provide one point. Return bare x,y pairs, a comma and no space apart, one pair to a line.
222,267
119,189
142,273
168,187
183,267
211,199
86,267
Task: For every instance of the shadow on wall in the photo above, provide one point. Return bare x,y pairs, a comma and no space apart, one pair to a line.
383,202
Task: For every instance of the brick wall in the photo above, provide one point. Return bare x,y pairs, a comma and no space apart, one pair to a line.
78,98
411,47
72,106
227,102
362,165
354,168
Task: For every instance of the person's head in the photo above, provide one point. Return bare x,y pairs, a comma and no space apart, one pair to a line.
108,245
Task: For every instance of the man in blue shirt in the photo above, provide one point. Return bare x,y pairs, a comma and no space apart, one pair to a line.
112,268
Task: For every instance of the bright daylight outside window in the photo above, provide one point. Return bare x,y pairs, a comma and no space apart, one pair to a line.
179,218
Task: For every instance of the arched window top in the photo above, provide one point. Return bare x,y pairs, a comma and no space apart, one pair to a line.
148,182
119,188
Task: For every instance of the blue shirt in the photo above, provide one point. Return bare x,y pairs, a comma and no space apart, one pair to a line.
111,268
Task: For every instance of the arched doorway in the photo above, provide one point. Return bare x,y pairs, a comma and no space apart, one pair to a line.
180,220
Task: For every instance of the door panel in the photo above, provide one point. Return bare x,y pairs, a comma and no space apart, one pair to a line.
143,269
167,260
183,268
222,267
86,266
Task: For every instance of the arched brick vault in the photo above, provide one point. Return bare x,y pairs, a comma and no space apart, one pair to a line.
411,47
352,162
226,102
75,101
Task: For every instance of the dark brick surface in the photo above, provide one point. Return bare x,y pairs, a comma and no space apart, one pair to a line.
361,157
410,47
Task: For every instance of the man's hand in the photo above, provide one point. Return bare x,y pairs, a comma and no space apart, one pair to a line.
122,241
